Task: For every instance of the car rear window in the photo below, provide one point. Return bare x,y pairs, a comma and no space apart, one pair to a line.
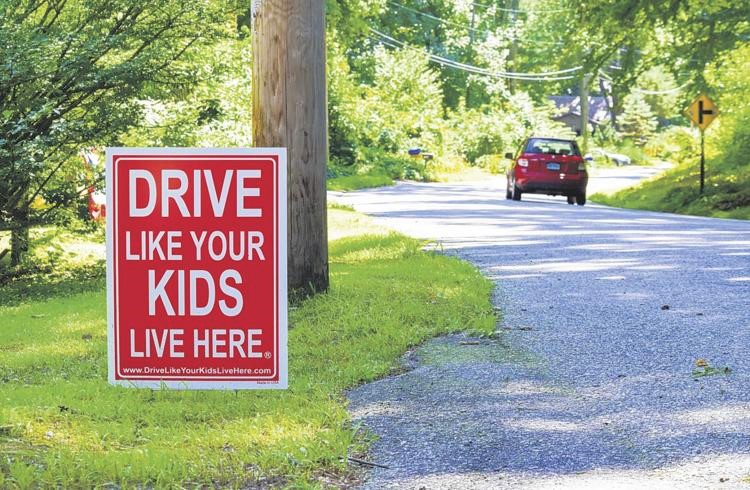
552,147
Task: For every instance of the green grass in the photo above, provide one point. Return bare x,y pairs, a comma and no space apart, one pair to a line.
727,193
353,182
62,425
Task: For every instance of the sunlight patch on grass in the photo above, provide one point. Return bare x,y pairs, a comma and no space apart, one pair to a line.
467,174
353,182
348,223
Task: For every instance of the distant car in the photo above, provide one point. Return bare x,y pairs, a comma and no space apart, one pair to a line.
618,158
548,166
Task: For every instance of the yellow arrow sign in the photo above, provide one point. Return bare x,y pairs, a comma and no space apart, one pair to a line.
702,111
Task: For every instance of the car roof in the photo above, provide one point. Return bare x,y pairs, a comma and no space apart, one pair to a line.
548,138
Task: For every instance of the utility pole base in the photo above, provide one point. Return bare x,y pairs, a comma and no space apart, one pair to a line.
290,110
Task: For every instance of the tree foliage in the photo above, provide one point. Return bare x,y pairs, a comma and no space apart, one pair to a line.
71,76
730,82
638,120
685,36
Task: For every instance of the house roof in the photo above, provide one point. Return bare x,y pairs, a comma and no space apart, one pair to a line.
571,104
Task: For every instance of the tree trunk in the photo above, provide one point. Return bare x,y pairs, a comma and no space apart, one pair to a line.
290,110
608,95
616,109
19,238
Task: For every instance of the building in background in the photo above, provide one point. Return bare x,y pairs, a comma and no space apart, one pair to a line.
569,111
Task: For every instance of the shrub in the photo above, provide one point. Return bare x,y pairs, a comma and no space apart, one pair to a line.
495,163
630,148
675,143
605,135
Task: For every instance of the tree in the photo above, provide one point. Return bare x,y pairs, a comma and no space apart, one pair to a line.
403,106
638,120
214,112
634,35
71,75
662,92
730,136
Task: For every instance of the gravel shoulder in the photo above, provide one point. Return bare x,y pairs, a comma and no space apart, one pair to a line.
590,380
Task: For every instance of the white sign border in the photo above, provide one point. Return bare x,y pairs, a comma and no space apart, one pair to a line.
281,266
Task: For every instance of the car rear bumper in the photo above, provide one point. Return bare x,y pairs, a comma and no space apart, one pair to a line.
559,185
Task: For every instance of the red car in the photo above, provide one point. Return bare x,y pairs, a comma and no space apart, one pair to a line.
548,166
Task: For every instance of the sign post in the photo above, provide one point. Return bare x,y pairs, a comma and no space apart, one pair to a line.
702,112
196,268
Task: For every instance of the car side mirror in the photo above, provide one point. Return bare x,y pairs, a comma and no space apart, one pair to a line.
588,157
509,156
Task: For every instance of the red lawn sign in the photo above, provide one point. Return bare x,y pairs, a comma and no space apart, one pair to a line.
196,268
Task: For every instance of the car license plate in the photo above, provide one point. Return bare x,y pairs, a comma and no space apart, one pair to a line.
553,166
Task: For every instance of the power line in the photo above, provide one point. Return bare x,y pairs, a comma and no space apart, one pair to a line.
661,92
473,29
648,92
543,76
525,11
448,64
504,73
515,75
439,19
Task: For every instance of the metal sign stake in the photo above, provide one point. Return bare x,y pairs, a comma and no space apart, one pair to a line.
702,112
703,160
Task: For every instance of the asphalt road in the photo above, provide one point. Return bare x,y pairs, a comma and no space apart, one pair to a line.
590,383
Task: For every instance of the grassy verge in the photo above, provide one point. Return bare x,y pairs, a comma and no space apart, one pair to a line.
62,425
352,182
727,193
469,174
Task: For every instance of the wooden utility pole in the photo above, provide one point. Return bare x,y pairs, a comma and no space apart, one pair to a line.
290,110
585,82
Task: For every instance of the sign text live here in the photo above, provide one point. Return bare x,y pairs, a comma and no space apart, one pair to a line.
197,267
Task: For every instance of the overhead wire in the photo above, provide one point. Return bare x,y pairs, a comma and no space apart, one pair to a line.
522,11
446,63
529,76
660,92
470,28
648,92
541,76
503,73
439,19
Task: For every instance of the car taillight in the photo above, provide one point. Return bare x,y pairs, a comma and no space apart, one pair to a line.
522,162
582,167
